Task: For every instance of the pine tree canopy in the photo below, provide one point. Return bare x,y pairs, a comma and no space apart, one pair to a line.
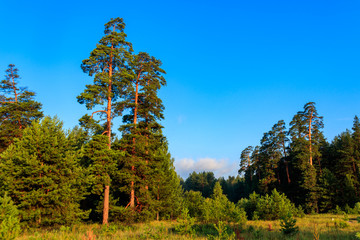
17,108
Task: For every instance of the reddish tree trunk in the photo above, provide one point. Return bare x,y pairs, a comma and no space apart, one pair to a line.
108,130
310,120
132,192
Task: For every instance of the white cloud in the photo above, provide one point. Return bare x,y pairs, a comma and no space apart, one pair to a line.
221,167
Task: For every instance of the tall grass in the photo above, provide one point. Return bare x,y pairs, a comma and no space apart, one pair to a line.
321,226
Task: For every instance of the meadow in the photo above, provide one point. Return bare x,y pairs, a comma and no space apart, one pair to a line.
317,226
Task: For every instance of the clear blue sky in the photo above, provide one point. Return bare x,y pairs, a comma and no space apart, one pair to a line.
234,68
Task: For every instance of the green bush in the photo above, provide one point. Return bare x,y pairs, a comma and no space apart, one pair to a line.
338,211
356,209
194,202
274,206
249,205
9,219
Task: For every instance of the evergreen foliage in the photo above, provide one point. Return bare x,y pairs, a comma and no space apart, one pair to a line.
42,175
219,208
9,219
288,225
17,108
107,63
203,182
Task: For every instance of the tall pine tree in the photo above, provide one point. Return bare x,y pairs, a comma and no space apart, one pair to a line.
108,64
17,108
141,132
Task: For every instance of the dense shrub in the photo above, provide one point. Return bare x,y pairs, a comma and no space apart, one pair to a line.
214,209
269,207
194,202
249,205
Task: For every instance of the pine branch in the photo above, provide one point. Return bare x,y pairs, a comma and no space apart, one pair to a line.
97,112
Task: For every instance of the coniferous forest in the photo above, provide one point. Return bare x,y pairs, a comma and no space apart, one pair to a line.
104,180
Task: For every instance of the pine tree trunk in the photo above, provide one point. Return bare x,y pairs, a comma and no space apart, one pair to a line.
287,171
106,205
132,191
311,162
108,129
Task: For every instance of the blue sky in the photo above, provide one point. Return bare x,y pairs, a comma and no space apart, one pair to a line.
234,68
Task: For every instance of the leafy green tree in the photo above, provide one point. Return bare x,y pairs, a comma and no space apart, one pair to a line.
17,108
41,173
107,63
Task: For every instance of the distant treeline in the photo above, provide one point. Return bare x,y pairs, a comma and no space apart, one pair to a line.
298,161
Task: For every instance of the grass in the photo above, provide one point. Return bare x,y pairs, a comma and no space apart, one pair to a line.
321,226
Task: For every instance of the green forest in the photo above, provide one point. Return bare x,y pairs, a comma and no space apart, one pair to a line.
100,180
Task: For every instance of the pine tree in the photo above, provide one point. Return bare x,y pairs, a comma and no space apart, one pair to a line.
203,182
17,108
307,139
281,145
108,64
141,132
42,175
165,186
314,124
245,160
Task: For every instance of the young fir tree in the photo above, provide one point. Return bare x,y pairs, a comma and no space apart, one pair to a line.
42,175
17,108
141,132
165,186
108,64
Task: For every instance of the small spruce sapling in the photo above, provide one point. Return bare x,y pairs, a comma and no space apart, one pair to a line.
287,224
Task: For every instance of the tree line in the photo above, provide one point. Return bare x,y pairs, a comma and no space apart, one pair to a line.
298,161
